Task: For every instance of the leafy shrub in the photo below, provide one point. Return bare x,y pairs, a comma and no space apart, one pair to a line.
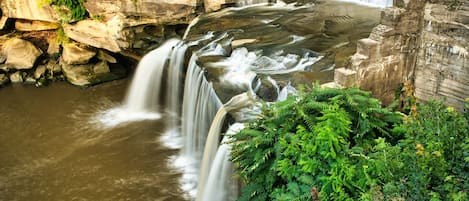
331,144
310,147
75,9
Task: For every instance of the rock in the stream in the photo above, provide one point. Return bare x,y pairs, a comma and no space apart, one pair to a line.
39,72
16,77
3,79
20,54
74,54
90,74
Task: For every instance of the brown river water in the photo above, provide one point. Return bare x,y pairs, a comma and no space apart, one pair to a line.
51,148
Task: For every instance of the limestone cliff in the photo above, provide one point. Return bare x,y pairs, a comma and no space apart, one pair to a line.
420,42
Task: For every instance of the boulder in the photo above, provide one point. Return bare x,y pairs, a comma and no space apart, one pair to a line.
28,9
16,77
74,54
20,54
3,79
40,71
90,74
106,35
34,25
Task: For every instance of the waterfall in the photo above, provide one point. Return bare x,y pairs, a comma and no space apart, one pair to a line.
220,185
172,136
200,104
143,94
237,102
372,3
142,100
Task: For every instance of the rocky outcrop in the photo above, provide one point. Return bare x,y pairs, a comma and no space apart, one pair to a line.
28,9
162,11
442,69
108,35
386,58
72,53
90,74
20,54
419,42
28,25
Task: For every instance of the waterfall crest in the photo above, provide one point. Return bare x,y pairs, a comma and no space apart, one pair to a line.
143,94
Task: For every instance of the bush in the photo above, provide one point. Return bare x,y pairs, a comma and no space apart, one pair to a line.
331,144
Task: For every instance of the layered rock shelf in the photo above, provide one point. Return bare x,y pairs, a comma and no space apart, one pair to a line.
424,44
87,51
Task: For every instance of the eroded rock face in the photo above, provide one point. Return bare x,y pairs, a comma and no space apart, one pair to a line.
20,54
163,11
28,9
442,69
72,53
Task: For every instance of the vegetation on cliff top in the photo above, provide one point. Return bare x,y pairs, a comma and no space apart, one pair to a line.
331,144
74,9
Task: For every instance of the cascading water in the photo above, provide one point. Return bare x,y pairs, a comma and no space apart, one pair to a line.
220,185
142,100
172,136
213,140
143,95
200,105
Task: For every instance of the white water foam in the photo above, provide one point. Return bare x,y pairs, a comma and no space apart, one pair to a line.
115,116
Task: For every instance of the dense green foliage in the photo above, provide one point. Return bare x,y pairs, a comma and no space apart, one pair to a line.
331,144
75,10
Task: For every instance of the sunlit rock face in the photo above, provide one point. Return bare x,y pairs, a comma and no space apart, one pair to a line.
28,9
386,58
417,42
20,54
443,60
163,11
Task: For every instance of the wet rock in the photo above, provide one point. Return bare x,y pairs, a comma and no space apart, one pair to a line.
20,54
34,25
16,77
40,71
30,80
90,74
74,54
3,79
